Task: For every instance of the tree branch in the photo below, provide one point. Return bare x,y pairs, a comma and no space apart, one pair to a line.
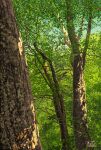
81,27
45,58
87,38
41,53
47,82
66,39
51,68
71,28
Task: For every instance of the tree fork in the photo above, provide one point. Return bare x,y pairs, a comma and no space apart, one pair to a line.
81,134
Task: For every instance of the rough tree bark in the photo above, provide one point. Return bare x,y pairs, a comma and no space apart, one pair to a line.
81,134
18,129
79,105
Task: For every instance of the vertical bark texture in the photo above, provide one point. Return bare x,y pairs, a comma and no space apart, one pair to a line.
79,105
18,129
82,138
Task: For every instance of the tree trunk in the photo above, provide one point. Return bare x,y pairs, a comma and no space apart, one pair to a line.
51,80
61,116
18,129
79,105
82,137
60,110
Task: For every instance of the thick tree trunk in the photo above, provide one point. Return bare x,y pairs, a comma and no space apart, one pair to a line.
18,129
79,105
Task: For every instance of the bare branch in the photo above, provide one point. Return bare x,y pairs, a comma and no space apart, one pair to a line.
51,68
36,56
45,58
66,39
41,53
64,31
47,82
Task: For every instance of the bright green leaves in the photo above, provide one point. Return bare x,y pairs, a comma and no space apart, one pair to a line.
42,21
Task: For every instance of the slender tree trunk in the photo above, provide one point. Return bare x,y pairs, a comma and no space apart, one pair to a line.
60,110
18,129
51,80
61,116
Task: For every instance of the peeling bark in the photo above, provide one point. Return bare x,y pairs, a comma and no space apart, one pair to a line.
18,129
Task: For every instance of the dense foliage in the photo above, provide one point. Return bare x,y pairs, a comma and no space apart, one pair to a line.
43,22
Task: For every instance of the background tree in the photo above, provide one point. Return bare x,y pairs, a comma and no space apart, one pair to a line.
45,21
50,77
18,129
81,132
79,96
